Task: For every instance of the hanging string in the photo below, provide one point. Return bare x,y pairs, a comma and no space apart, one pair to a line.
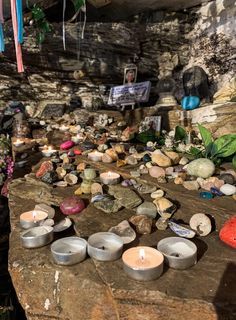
85,19
19,20
19,61
63,25
2,46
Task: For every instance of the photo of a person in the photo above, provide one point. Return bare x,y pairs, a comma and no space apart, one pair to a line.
130,75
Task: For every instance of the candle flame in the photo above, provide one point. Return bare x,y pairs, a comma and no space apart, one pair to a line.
50,148
109,173
34,215
142,254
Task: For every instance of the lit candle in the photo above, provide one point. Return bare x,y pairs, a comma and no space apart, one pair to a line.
95,156
143,263
64,128
18,142
32,219
48,151
109,177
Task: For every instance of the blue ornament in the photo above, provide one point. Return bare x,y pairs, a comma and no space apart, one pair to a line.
206,195
190,102
147,158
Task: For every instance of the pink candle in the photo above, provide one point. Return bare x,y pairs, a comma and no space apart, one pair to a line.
32,218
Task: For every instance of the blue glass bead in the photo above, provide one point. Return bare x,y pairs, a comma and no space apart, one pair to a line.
206,195
216,192
147,158
190,102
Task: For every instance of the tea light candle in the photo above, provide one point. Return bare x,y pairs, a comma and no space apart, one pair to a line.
37,237
68,251
64,128
32,218
95,156
48,151
105,246
110,177
143,263
180,253
18,143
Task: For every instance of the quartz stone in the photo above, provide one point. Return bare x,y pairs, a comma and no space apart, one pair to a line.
61,172
157,194
183,161
160,159
142,223
125,231
72,205
156,172
191,185
147,209
108,205
202,167
127,198
135,173
131,160
174,156
162,224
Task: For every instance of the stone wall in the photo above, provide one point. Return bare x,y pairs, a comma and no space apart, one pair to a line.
163,44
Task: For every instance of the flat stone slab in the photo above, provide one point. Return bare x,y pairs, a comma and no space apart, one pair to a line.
101,290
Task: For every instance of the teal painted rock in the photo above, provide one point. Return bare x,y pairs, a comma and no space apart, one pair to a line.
190,102
201,167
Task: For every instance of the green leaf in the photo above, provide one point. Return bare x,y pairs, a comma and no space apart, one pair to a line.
78,4
195,152
40,37
234,162
37,13
226,145
205,134
180,133
211,150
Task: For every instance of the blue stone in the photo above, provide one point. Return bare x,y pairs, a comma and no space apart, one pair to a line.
147,158
216,192
190,102
206,195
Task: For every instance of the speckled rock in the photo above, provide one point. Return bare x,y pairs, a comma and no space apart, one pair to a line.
126,197
108,205
227,178
147,209
143,224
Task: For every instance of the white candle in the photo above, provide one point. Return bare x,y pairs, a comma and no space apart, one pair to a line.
109,177
18,142
48,151
64,128
32,218
95,156
143,263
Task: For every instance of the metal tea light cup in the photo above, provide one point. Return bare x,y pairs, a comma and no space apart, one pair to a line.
179,253
37,237
105,246
68,251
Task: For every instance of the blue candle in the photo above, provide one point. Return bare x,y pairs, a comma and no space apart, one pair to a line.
2,47
19,20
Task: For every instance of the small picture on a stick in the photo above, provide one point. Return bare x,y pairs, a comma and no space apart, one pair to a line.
130,75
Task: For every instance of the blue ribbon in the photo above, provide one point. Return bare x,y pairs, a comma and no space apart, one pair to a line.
19,20
2,46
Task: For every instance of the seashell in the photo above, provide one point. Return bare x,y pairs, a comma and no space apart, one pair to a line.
96,188
106,158
165,207
157,194
71,179
112,154
61,172
60,184
200,223
181,231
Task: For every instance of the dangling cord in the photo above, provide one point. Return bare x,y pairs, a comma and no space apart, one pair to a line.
2,46
78,34
19,20
63,25
19,61
85,19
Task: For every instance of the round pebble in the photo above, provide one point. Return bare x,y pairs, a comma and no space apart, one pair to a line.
228,189
157,194
227,177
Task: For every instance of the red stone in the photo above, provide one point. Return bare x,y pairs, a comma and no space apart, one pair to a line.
72,205
67,145
228,232
45,167
77,152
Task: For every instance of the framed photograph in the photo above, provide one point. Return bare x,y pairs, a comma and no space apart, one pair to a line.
130,74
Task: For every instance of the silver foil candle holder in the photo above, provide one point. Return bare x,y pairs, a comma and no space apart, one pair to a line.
68,251
179,253
110,177
105,246
143,263
48,151
31,219
37,237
